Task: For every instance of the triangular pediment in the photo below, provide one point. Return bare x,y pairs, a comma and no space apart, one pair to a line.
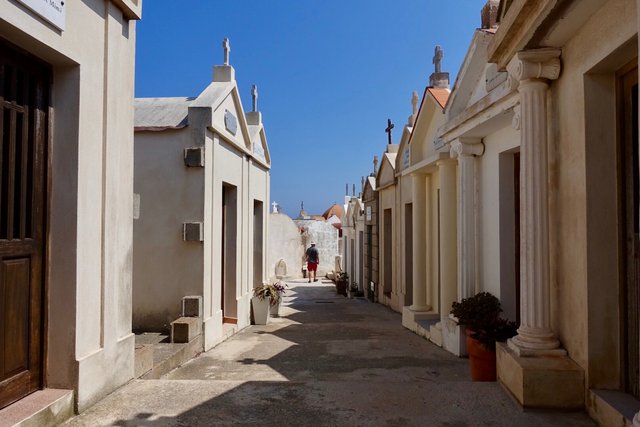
224,113
369,188
387,173
403,159
259,146
423,142
471,83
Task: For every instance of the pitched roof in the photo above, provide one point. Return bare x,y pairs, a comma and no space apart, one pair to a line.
161,113
441,95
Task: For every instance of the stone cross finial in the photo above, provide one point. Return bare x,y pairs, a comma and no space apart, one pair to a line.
227,49
390,126
437,59
414,101
274,208
375,165
254,97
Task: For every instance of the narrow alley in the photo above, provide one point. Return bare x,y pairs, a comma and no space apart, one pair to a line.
328,360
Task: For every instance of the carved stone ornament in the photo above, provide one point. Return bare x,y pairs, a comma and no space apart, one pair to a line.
467,147
535,64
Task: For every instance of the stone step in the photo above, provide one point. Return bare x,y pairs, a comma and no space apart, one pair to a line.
168,356
48,407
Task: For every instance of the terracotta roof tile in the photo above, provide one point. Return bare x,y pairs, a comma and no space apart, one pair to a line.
441,95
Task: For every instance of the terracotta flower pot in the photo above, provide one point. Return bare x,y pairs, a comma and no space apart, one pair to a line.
482,360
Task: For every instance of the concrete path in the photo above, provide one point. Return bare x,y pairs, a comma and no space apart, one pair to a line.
330,361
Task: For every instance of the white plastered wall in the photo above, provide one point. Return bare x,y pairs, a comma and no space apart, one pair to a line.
488,172
166,268
89,248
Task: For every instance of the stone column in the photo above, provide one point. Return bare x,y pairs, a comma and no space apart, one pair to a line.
419,243
448,235
533,70
466,149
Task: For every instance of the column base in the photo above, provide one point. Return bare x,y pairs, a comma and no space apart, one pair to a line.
435,334
527,352
541,382
454,339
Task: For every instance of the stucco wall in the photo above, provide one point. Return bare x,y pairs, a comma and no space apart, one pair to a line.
88,265
488,168
583,242
166,268
285,242
325,237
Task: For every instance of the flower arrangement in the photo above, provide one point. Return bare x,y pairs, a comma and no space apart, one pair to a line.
273,291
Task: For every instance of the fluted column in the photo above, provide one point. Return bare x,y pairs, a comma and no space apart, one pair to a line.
448,235
419,243
533,70
466,150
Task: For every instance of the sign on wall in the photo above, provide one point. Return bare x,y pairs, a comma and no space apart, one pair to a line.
52,11
368,214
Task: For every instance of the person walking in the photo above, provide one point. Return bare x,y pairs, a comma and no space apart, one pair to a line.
313,259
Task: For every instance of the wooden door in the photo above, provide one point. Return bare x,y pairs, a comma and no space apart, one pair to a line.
630,232
24,98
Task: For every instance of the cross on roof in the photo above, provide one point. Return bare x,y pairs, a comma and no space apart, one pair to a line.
254,97
275,207
227,49
390,126
437,58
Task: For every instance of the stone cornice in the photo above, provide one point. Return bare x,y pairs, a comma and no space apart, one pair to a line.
131,9
535,64
517,28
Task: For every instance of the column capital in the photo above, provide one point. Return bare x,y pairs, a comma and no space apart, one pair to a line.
464,146
535,64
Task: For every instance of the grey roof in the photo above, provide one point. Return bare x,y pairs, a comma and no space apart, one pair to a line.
161,113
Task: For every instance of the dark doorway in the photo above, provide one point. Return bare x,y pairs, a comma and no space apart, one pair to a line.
229,255
258,241
361,260
408,253
629,197
388,252
24,104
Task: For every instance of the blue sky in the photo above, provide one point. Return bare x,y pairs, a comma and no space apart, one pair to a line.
329,74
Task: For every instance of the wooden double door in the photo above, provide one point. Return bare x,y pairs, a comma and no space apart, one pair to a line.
24,118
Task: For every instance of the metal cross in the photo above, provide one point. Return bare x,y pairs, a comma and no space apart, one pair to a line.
437,58
227,49
254,97
390,126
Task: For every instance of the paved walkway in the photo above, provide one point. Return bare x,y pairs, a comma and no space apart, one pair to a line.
330,361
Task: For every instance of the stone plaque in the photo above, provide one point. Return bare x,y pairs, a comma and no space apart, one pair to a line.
368,216
230,122
406,158
258,150
52,11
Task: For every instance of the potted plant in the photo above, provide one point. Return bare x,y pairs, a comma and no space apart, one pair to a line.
480,314
342,282
267,297
266,300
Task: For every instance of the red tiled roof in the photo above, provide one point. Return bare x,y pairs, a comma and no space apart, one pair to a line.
440,95
336,210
